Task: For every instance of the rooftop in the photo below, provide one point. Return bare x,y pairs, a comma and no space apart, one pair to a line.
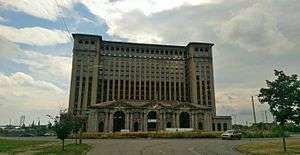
144,44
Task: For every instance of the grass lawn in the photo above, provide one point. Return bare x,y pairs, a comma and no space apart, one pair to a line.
270,147
11,146
40,147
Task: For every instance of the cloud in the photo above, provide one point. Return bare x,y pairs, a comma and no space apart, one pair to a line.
23,90
115,14
43,66
8,49
22,94
255,29
47,9
34,35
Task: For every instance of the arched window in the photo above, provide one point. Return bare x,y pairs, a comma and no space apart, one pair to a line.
119,121
200,126
101,127
184,119
151,121
225,126
136,127
219,127
169,125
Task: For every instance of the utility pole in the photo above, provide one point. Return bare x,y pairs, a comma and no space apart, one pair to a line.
253,109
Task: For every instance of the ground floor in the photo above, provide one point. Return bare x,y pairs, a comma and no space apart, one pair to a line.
133,117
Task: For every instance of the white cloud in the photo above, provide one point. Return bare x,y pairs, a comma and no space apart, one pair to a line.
8,49
34,35
236,101
114,15
23,90
56,69
43,89
255,29
46,9
21,94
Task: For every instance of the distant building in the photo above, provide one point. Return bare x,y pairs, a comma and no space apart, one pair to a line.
143,87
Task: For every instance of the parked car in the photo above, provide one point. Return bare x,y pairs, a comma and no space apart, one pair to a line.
26,135
231,134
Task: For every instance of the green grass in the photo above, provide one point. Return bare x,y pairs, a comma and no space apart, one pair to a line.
41,147
70,149
273,147
263,134
11,146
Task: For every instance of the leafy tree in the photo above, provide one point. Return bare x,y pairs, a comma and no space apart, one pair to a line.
49,125
77,128
63,126
283,97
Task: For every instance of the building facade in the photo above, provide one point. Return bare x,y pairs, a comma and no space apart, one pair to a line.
143,87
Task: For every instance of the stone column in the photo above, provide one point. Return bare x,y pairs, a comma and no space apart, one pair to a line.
106,123
173,120
93,121
111,121
161,121
145,121
177,119
193,120
127,120
131,121
95,76
196,121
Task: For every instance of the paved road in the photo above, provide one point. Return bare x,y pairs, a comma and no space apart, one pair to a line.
164,146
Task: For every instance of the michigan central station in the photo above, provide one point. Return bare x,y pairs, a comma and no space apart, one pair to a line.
134,87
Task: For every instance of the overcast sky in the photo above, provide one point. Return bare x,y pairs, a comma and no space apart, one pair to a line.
252,38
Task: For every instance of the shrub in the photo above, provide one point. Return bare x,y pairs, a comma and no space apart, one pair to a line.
263,134
194,134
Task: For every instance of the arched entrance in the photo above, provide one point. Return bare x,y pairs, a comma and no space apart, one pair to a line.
184,120
200,126
136,127
101,127
169,125
152,121
119,121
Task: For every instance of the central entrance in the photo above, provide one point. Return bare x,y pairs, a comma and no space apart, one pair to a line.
152,121
119,121
184,119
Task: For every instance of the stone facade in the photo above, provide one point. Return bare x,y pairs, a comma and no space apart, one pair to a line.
140,87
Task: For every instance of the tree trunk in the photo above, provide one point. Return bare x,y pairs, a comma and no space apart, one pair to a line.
284,143
283,138
80,137
63,145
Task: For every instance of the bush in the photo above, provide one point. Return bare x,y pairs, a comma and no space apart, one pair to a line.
263,134
194,134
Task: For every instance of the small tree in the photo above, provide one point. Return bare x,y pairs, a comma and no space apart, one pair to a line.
63,126
77,127
49,126
283,97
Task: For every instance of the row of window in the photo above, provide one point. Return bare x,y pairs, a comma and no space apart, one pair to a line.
201,49
86,42
219,126
145,50
136,90
142,56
